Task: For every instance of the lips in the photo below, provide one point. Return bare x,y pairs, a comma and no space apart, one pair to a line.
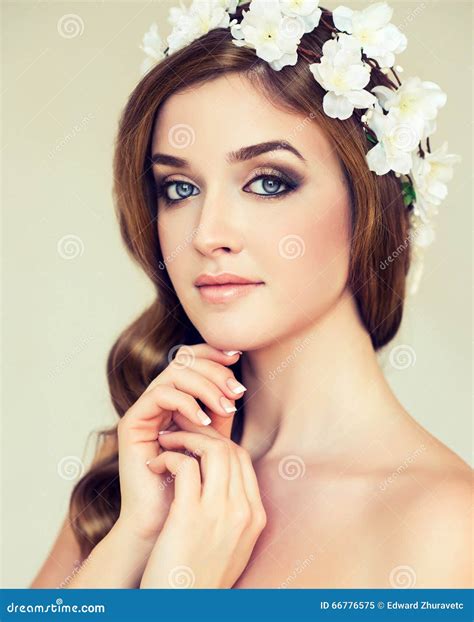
227,292
225,278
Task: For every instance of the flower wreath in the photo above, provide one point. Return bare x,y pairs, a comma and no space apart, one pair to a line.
396,122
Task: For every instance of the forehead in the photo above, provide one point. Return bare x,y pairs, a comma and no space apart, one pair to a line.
228,113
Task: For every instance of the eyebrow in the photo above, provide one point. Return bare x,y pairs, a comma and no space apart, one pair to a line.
241,155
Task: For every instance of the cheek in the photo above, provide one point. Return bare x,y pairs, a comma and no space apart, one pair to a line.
313,253
175,248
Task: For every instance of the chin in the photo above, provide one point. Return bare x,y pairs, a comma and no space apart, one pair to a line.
244,343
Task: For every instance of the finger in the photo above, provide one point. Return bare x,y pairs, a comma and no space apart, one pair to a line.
236,476
187,476
236,490
191,356
220,427
155,403
197,385
188,426
214,455
220,375
250,482
206,351
223,425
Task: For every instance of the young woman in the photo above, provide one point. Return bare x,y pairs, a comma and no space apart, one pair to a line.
310,472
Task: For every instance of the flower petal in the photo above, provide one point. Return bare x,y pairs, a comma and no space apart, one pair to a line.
342,18
337,106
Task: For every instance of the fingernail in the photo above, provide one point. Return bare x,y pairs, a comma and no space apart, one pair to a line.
231,352
235,386
227,405
147,462
203,417
164,431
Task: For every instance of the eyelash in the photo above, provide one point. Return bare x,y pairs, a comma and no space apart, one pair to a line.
291,184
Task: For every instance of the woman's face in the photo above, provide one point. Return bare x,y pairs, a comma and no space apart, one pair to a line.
277,218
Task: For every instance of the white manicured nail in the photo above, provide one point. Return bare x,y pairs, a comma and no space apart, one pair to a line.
203,417
235,386
227,406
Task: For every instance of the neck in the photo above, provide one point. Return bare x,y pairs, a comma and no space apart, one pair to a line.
319,393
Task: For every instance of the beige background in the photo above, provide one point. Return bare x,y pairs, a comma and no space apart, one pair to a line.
69,287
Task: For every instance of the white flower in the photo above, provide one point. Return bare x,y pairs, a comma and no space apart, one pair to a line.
154,48
307,11
430,176
229,5
422,234
416,102
273,35
416,269
379,39
396,142
190,24
176,12
342,73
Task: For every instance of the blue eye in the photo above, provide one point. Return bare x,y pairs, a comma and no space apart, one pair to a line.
182,191
271,185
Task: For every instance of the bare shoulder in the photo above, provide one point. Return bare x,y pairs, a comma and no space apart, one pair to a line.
416,514
434,502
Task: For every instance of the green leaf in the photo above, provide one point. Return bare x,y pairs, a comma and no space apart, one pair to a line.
371,139
409,194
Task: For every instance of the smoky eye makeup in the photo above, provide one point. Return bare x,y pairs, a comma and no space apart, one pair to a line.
276,181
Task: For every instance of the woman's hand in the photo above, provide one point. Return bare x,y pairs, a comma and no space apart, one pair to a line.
216,516
146,497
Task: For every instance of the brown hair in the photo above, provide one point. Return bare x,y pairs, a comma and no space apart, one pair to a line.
379,226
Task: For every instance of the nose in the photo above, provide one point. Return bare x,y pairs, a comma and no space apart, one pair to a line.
218,231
